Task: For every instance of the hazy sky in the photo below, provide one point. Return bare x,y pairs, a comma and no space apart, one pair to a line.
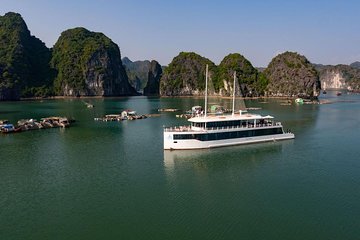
325,32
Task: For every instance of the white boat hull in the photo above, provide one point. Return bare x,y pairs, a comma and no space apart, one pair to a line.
170,144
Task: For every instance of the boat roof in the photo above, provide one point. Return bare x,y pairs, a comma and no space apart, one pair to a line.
221,118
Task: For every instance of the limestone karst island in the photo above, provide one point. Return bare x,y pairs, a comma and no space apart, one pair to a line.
86,63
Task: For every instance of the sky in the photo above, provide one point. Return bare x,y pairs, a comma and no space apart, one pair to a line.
326,32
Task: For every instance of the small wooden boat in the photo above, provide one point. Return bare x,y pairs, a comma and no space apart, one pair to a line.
9,128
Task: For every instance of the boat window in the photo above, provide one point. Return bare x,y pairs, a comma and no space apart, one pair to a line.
229,135
199,125
237,134
224,124
184,136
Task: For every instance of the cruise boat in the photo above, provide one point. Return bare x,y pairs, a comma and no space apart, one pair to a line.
208,131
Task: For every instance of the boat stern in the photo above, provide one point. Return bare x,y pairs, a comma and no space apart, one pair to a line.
168,140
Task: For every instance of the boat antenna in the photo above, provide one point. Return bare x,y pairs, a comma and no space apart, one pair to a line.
233,107
206,87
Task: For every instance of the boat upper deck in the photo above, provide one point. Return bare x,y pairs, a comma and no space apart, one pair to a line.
210,129
230,117
207,123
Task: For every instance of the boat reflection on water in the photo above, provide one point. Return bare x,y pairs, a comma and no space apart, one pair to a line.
171,157
225,157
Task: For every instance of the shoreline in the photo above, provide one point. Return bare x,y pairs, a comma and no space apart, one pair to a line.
187,96
69,97
109,97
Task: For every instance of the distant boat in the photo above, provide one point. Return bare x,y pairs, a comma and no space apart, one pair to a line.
324,92
299,101
338,93
88,105
168,110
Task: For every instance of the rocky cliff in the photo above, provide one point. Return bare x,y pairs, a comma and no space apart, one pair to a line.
185,75
339,77
88,64
291,74
24,61
154,75
137,72
187,70
249,81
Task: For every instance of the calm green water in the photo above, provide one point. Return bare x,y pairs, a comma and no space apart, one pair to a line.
110,180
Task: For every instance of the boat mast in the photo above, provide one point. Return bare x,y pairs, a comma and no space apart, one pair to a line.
206,87
233,107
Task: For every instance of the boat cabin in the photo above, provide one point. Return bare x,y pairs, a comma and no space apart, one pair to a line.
223,122
127,113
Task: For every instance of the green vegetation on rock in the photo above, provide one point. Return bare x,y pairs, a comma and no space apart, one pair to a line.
251,82
24,61
154,75
291,74
185,75
137,72
88,63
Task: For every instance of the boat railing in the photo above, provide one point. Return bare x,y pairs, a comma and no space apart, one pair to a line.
244,126
189,129
178,129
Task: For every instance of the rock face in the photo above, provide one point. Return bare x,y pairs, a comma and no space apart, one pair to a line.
185,75
355,65
24,61
288,74
137,72
88,64
153,84
339,77
249,80
291,74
